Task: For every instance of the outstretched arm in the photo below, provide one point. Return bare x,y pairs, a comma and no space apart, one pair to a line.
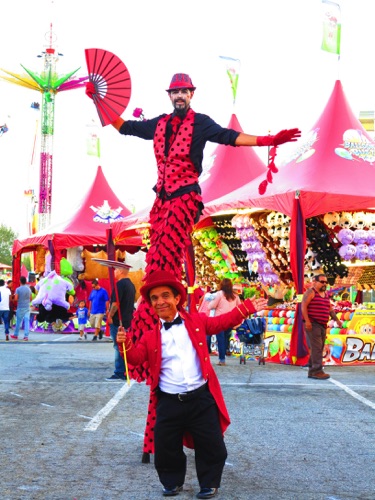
269,140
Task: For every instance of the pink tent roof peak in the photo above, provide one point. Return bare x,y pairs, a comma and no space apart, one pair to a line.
87,226
332,167
229,168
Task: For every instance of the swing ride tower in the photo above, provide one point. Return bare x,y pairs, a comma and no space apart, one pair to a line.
49,83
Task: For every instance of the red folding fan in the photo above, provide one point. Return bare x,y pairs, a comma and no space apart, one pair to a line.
112,83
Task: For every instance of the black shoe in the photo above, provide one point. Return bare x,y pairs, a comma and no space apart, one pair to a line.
207,493
171,491
94,338
100,335
115,377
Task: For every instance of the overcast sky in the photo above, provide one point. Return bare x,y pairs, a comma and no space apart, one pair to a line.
285,81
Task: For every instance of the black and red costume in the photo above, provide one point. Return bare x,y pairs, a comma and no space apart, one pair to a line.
178,147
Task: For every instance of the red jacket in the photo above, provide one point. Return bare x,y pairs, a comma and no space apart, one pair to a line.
198,325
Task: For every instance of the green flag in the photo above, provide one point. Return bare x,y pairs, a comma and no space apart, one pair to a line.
331,27
233,69
93,142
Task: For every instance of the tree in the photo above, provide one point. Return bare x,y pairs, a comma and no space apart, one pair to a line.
7,237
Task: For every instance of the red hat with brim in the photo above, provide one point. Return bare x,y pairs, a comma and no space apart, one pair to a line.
181,81
162,278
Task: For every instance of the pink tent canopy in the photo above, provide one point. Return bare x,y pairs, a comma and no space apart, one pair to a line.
88,225
332,168
98,210
229,168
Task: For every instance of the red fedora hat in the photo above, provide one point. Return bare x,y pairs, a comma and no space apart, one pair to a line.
181,81
162,278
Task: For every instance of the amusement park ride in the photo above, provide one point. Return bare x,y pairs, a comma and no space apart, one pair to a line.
49,83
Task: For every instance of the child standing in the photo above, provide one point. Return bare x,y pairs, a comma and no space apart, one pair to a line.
82,315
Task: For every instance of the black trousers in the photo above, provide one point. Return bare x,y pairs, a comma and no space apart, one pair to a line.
200,417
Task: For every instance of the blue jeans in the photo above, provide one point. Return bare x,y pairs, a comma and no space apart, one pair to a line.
222,341
22,314
119,361
4,315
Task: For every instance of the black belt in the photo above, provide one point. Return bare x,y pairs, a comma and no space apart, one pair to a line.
184,396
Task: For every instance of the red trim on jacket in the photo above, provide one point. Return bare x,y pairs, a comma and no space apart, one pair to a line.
198,325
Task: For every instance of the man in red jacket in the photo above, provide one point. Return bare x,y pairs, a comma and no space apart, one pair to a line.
190,406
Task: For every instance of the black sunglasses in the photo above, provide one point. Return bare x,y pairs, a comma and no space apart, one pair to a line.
324,282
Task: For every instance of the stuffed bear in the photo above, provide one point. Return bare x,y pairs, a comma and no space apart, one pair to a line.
346,220
93,269
347,252
360,220
360,236
40,261
332,219
345,236
362,252
74,256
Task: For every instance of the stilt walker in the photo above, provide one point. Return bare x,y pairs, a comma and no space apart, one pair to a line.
179,139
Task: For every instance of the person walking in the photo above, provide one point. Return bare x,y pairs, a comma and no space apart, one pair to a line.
22,298
189,404
82,315
225,300
5,294
125,296
316,309
98,306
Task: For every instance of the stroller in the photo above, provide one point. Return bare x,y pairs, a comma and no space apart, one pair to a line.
250,334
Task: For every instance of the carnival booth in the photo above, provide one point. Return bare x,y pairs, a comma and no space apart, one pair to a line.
80,239
85,229
330,170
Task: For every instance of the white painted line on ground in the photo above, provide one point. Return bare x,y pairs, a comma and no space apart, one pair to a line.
84,416
54,340
15,394
353,393
136,434
45,404
104,412
282,384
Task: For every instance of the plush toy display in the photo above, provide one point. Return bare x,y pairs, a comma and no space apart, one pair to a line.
74,256
93,269
66,268
357,236
52,291
40,262
324,244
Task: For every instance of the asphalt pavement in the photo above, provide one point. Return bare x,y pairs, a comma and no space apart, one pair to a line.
67,433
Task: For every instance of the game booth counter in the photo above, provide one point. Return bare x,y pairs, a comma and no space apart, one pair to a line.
353,344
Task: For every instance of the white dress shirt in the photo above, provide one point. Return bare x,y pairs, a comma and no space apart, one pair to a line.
180,366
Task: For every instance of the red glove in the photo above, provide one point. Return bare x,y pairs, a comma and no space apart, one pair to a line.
275,140
90,89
